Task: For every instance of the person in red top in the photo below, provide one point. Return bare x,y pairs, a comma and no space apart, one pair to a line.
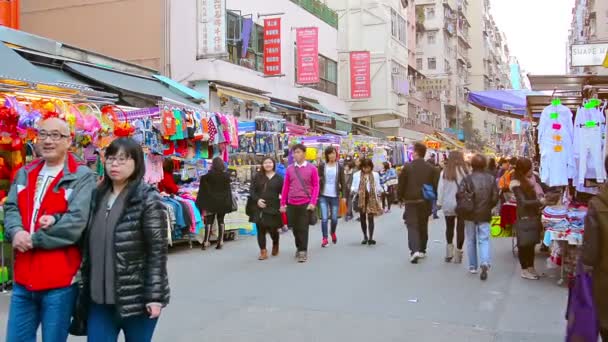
46,213
168,185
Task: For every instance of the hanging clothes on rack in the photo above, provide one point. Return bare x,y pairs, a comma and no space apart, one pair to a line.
555,134
589,126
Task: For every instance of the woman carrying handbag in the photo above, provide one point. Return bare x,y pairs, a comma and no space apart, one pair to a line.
530,199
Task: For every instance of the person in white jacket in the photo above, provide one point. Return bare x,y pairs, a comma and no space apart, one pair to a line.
455,171
366,189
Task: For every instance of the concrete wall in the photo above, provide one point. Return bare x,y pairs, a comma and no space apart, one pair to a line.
131,30
185,67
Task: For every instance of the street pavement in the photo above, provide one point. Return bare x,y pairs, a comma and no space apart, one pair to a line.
349,292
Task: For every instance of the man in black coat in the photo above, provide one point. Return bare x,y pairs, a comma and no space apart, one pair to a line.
414,177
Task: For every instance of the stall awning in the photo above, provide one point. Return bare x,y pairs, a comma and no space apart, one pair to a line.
180,87
371,131
15,67
293,108
320,117
128,82
502,102
331,130
241,94
326,111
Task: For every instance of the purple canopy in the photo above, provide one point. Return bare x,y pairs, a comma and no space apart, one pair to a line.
502,101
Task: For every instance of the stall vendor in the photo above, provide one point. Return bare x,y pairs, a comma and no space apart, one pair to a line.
168,185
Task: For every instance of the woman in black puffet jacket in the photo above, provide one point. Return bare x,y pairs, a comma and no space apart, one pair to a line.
265,190
214,199
124,269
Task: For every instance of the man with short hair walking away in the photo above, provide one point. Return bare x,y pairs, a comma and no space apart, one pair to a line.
417,190
299,198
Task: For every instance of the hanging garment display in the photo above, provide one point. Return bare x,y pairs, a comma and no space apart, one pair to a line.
589,126
555,134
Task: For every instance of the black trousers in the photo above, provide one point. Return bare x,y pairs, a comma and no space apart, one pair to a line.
387,198
417,221
604,334
367,225
262,231
458,223
297,216
526,256
211,217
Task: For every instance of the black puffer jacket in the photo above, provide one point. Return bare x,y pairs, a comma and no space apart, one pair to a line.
485,197
528,204
140,243
215,193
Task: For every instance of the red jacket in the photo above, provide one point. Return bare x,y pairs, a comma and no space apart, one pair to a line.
55,258
168,184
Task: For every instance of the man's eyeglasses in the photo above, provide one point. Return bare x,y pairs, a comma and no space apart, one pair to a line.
55,136
120,160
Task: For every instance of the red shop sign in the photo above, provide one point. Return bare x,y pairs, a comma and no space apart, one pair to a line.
272,46
360,75
307,40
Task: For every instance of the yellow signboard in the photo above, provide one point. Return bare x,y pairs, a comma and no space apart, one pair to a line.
605,64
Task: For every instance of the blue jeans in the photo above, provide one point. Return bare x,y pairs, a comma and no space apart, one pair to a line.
478,243
104,325
50,308
327,204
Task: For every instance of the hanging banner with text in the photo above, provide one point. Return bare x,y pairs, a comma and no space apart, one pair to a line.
211,28
307,41
272,46
360,75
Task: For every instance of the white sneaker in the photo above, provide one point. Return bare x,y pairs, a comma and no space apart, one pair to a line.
473,270
414,258
421,255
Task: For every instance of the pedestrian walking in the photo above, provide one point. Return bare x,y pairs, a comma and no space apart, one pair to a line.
125,265
331,182
595,253
348,194
299,199
366,187
265,191
214,198
482,187
417,190
45,215
453,174
530,199
388,180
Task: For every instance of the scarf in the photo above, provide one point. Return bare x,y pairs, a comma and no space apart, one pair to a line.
368,201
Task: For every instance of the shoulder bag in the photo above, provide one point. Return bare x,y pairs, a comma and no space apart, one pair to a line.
312,215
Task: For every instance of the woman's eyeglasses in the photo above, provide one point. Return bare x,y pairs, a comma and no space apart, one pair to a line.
120,160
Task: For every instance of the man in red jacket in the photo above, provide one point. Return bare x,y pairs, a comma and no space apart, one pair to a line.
46,212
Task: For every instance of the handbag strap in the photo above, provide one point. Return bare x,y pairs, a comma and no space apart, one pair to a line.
299,177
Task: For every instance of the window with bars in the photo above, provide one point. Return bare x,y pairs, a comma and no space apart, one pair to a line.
432,63
254,57
398,27
419,65
431,37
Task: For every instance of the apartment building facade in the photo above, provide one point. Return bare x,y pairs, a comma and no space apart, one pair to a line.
167,37
589,26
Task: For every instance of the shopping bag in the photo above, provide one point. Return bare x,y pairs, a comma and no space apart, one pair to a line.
343,207
581,314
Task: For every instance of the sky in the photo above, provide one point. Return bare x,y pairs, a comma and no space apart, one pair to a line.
537,32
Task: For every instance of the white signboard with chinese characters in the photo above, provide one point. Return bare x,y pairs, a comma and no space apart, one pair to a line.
211,25
588,54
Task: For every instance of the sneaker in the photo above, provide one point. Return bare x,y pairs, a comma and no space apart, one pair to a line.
303,257
484,272
526,274
371,242
422,255
364,242
324,243
334,238
533,271
473,270
414,258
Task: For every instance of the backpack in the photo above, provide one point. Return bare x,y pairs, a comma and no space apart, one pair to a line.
465,199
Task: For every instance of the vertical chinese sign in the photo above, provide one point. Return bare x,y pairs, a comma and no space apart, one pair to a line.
360,75
211,24
272,46
307,41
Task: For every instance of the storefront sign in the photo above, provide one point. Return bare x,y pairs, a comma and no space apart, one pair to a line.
307,41
433,145
360,82
588,54
433,84
211,28
272,46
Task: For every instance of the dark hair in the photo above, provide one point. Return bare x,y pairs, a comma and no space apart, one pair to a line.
300,147
502,161
386,165
366,163
522,168
478,162
217,165
492,164
132,150
420,149
274,164
513,161
329,150
168,165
